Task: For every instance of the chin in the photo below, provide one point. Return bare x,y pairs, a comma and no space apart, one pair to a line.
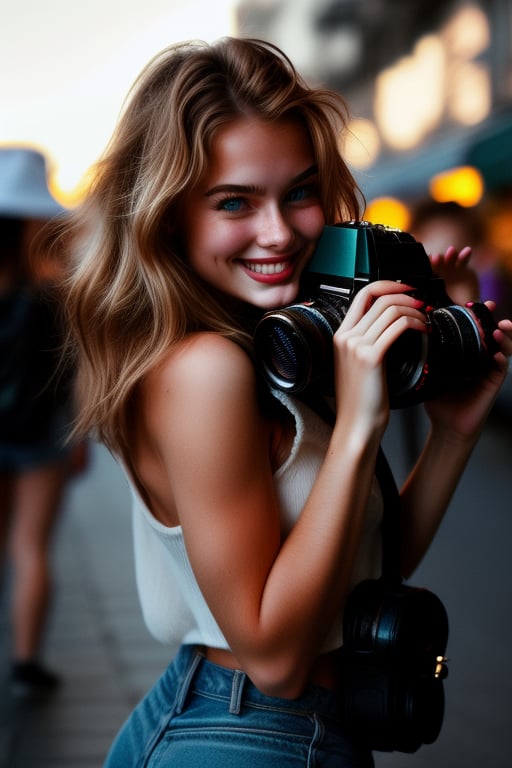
276,297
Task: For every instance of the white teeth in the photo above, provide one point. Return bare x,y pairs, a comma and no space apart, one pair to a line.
267,269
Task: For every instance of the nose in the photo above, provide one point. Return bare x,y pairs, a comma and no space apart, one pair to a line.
274,231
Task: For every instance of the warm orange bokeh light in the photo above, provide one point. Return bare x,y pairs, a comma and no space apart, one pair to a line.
463,185
389,211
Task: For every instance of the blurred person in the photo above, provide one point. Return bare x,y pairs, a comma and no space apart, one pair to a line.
35,411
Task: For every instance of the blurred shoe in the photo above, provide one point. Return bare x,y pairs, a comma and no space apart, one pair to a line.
29,678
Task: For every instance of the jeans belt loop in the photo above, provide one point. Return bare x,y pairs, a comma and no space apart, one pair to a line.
187,682
237,690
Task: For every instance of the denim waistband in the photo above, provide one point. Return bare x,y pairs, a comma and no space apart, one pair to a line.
199,675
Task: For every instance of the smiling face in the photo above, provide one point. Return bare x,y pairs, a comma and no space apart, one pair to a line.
251,224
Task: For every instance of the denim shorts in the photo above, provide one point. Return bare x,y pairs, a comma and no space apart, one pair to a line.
201,715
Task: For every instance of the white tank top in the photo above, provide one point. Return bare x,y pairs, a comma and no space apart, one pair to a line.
173,606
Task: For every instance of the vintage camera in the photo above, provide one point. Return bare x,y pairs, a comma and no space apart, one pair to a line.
294,343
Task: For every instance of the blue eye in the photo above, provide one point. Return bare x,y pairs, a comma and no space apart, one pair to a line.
231,204
297,194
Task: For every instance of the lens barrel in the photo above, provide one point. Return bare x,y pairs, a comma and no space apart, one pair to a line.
294,346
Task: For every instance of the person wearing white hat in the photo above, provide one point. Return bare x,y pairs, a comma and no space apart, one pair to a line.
34,411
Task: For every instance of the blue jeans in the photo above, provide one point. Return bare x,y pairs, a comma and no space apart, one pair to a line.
201,715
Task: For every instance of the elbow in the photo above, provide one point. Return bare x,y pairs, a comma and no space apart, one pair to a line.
279,678
406,569
409,562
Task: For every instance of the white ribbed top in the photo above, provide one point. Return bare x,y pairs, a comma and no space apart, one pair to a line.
173,606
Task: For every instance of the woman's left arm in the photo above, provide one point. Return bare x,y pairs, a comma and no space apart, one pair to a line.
456,421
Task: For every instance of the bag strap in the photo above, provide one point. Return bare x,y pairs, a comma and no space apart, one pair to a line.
390,496
391,544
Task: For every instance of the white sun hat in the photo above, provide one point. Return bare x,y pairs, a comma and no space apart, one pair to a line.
24,189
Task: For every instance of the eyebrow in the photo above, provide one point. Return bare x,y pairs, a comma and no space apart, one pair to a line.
252,189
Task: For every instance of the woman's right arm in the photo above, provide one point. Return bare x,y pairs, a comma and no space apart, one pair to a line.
274,600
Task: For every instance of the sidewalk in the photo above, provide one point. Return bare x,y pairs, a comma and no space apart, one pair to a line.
98,643
96,637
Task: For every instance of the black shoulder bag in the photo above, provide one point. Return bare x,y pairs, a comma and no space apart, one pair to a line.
395,638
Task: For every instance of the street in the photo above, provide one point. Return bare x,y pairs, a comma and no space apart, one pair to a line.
98,642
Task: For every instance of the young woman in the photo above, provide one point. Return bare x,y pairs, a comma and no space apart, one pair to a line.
253,518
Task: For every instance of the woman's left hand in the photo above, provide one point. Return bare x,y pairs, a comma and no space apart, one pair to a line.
454,267
462,414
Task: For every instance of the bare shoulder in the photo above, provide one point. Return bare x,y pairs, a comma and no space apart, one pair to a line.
205,379
203,363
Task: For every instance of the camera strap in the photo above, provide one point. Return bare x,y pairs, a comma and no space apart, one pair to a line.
391,527
390,496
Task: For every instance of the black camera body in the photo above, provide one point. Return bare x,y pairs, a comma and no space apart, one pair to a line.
294,343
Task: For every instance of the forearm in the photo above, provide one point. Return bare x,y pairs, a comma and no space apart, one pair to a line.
307,585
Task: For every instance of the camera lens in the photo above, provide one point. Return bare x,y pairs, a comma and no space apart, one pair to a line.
455,354
294,346
457,343
286,359
406,367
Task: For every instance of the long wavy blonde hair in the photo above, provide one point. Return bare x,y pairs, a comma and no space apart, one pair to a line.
129,292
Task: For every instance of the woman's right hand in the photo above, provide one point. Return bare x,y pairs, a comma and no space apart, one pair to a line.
378,315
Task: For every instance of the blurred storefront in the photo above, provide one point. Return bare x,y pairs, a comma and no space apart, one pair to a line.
428,83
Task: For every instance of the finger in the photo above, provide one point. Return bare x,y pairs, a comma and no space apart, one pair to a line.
504,325
394,321
465,254
450,255
374,346
454,257
375,337
503,337
436,261
370,294
362,317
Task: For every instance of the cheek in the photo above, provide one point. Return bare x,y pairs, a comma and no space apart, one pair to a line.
313,223
210,246
228,239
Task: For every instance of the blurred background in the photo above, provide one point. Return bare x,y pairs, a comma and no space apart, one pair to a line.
429,82
429,86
